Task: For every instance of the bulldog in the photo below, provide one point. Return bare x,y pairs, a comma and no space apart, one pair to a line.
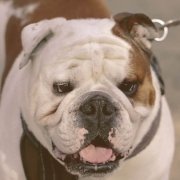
85,100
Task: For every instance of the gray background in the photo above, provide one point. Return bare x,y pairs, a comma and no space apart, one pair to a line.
168,53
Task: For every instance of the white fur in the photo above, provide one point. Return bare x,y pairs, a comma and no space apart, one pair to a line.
89,49
7,172
154,162
88,54
10,124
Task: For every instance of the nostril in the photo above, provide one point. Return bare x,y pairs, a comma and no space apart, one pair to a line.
108,109
88,109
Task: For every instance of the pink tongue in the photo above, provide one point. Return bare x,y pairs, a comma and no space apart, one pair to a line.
96,155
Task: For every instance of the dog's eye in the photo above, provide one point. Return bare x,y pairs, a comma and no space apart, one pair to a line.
62,87
129,88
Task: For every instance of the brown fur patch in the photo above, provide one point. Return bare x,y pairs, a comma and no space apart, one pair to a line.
13,44
71,9
140,67
47,9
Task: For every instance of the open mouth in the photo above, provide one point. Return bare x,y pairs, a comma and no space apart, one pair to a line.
98,157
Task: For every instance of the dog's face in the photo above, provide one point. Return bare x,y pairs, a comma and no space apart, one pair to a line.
90,92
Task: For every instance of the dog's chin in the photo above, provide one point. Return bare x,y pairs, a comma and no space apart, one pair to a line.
91,160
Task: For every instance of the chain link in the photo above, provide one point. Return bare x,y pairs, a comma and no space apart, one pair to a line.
163,27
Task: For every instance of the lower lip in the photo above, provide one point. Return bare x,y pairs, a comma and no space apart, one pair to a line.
88,168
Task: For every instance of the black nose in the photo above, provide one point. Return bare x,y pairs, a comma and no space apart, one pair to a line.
98,107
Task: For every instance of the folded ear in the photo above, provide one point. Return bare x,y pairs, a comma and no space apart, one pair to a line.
138,27
37,35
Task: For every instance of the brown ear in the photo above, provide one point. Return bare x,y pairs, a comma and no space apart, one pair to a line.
138,27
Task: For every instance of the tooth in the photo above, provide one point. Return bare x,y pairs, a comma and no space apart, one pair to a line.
63,157
75,156
95,168
84,161
81,159
113,158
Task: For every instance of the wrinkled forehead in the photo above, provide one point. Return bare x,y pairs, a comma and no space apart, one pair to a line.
103,53
82,38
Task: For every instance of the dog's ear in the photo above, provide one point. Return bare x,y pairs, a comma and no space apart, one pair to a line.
34,36
138,27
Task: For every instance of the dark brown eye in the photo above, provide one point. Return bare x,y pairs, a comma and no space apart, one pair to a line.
62,87
129,88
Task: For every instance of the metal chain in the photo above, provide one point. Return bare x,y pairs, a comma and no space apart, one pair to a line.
171,23
164,27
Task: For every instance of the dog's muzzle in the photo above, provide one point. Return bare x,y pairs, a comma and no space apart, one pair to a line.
97,113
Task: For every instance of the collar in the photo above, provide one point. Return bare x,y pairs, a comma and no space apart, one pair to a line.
148,137
155,65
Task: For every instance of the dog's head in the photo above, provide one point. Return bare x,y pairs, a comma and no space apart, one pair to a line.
91,94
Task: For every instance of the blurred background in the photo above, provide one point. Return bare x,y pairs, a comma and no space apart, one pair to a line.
168,53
